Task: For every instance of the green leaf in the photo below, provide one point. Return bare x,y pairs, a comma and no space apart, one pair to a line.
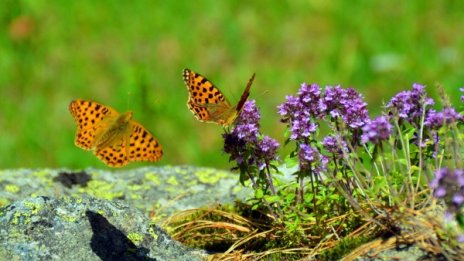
272,199
290,197
259,193
403,162
308,197
460,220
409,132
291,161
414,168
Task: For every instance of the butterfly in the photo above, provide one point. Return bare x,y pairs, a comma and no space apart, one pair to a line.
207,102
114,138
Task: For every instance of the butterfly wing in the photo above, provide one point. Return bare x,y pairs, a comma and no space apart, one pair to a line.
142,145
115,154
135,145
205,100
89,117
238,109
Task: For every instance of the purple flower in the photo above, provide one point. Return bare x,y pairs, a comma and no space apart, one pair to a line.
291,106
460,237
299,112
436,120
302,128
311,159
347,104
250,113
449,185
247,126
302,111
266,151
244,144
234,146
307,153
310,96
376,130
462,97
335,145
247,132
418,93
458,199
268,146
409,104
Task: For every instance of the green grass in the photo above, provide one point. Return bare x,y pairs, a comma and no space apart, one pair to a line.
104,50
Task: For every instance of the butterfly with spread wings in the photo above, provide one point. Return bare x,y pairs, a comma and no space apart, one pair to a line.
114,138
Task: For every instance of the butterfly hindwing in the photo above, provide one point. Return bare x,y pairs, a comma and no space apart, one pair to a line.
114,155
142,145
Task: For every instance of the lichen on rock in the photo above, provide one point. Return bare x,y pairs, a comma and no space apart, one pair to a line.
85,228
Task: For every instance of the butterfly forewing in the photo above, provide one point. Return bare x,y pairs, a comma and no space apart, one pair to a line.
89,117
205,100
245,95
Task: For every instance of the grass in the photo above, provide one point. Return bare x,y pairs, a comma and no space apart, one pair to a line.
130,56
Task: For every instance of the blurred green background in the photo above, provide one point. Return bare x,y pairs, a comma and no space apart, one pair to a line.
130,55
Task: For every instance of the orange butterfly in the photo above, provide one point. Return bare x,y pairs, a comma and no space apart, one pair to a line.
115,138
207,102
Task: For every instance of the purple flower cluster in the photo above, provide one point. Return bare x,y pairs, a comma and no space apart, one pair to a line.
266,151
299,111
244,144
335,145
250,113
376,130
449,185
347,104
435,120
311,159
409,104
302,111
235,147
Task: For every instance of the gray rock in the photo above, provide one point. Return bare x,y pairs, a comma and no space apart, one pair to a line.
83,228
156,190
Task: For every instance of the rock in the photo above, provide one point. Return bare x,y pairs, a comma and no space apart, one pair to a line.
159,191
83,228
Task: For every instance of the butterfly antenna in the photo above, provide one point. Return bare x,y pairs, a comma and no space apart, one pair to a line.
128,100
265,92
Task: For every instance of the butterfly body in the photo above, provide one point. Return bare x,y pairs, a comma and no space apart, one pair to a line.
114,138
222,114
118,128
208,104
